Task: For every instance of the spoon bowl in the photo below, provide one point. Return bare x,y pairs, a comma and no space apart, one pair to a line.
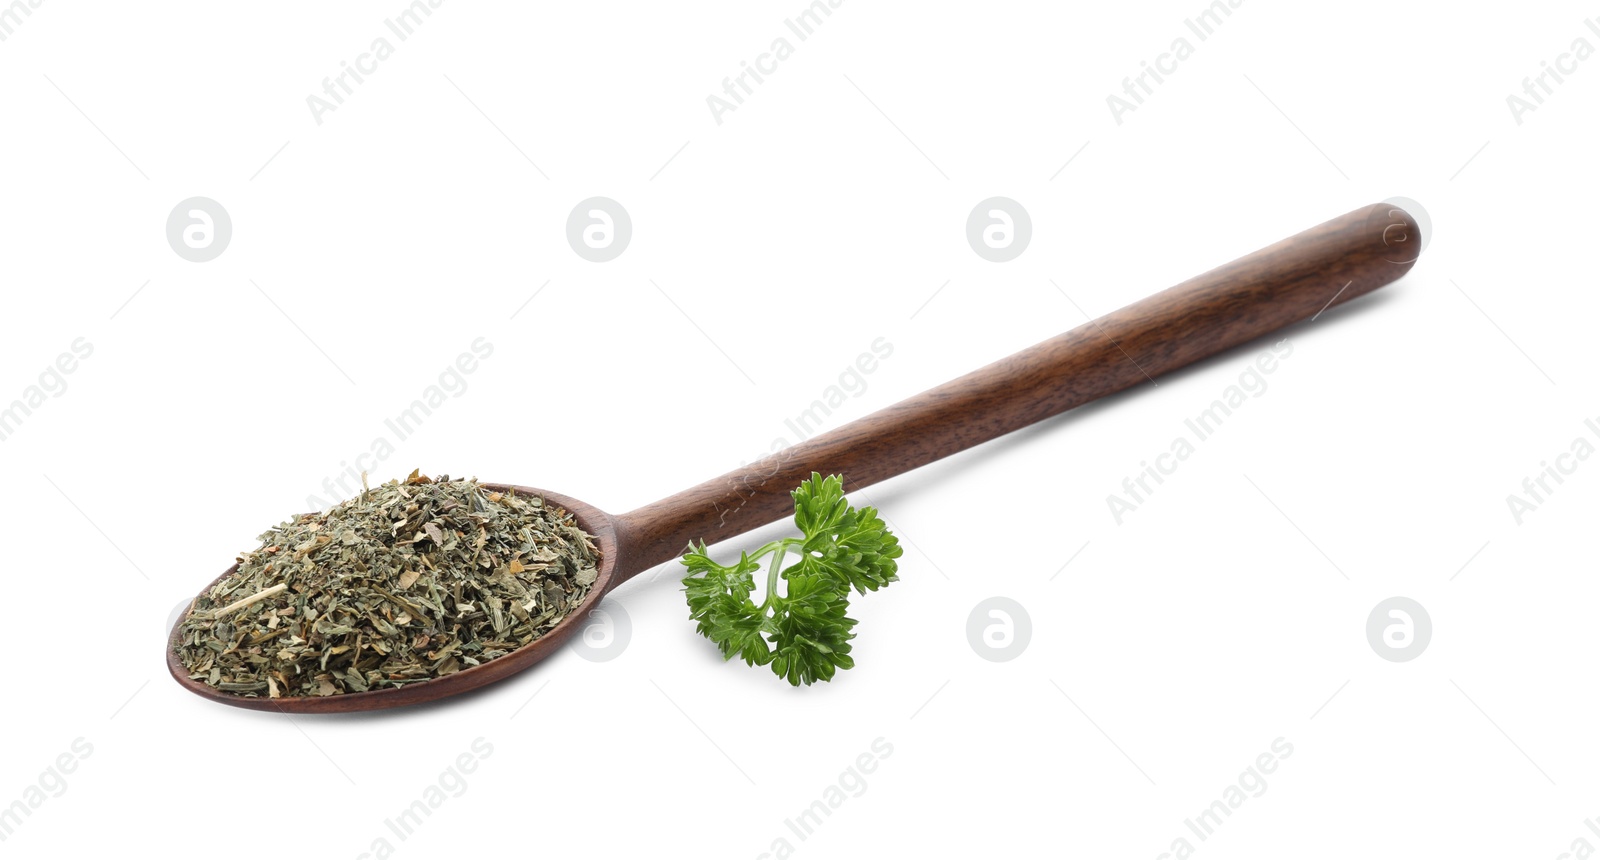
599,524
1294,280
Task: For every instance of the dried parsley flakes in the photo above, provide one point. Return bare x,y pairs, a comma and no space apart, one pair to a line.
409,581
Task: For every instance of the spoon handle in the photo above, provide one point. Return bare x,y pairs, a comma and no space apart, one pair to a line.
1295,279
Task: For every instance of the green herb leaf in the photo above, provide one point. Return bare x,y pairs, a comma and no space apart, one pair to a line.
802,632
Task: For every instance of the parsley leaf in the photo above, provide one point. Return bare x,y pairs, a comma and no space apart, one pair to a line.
803,632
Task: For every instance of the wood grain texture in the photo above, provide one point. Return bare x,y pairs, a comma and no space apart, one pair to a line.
1293,280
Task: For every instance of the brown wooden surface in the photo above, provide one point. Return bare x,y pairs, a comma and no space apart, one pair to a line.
1293,280
1254,295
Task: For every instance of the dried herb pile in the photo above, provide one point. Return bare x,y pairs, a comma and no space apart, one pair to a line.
409,581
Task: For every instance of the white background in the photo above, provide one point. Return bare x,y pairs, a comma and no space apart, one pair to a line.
819,216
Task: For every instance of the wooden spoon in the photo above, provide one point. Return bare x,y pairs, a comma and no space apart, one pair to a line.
1295,279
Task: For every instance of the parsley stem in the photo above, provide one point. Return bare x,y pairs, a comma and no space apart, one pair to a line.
802,633
780,550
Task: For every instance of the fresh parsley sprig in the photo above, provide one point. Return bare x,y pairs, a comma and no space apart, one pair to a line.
802,632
